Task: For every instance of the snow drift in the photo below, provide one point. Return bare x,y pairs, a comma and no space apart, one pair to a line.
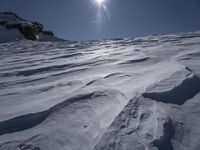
125,94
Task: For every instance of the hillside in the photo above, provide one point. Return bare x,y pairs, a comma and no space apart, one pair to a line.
140,93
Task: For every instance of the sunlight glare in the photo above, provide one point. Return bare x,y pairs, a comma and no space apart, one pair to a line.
99,1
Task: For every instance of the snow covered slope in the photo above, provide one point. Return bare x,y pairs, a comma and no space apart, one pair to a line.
128,94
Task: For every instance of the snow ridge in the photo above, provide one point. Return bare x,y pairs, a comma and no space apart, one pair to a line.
120,94
186,90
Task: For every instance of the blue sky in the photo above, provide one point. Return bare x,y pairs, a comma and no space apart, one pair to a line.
83,20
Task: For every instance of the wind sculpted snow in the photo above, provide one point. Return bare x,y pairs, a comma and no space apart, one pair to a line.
140,94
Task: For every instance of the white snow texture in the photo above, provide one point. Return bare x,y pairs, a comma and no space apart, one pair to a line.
122,94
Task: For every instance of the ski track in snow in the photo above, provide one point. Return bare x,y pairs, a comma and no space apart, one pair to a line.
78,95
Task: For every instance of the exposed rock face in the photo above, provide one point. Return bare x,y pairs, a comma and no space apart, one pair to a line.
50,33
28,32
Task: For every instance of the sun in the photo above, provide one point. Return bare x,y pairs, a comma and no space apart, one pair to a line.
99,1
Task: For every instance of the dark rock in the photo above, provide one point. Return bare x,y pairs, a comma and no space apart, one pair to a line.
28,32
38,26
12,26
49,33
3,23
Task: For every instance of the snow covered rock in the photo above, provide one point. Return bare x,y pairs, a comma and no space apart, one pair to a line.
12,27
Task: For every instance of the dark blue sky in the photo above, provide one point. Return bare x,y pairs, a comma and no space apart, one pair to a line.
77,19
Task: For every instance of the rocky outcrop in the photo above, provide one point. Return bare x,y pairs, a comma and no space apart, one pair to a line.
29,30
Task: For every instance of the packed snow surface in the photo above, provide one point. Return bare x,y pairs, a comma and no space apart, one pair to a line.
120,94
